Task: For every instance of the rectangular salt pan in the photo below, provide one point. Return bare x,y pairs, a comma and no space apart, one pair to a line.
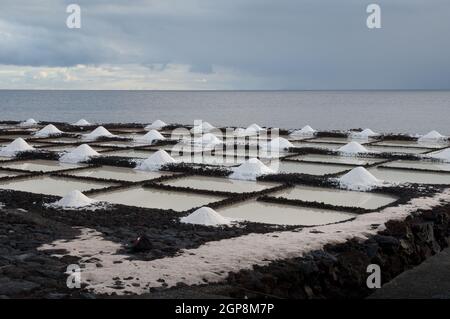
404,176
425,165
51,185
352,160
118,173
219,184
289,167
129,153
336,197
153,198
270,213
41,166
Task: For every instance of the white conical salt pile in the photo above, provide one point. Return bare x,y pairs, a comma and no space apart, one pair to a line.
156,161
443,155
359,179
81,122
432,136
239,131
250,170
305,131
207,139
203,127
75,199
98,132
253,129
16,146
205,216
81,154
150,137
49,130
29,122
156,125
352,148
279,143
364,134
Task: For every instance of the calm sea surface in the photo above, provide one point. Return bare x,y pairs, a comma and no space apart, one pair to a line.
402,111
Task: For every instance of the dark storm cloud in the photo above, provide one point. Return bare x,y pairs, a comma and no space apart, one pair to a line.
303,44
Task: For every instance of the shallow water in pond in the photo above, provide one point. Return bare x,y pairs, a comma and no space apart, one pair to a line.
404,176
412,144
219,184
51,185
8,174
427,165
153,198
393,149
337,197
210,160
270,213
119,173
307,168
353,160
321,145
41,165
129,153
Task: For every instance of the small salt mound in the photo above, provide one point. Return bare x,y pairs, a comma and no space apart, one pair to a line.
250,170
279,143
75,199
156,161
359,179
432,136
203,127
205,216
97,133
352,148
29,122
239,131
151,136
16,146
81,122
156,125
49,130
81,154
305,131
207,139
443,155
365,134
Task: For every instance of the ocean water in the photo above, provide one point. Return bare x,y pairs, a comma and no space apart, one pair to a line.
386,111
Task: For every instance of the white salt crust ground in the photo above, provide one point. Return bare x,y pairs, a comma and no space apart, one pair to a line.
213,260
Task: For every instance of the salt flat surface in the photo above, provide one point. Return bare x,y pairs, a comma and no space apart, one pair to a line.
213,260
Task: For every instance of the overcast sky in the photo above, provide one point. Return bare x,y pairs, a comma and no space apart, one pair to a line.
224,44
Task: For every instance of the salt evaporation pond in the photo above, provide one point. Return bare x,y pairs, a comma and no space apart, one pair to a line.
219,184
411,144
398,149
351,160
153,198
337,197
425,165
8,174
279,214
129,153
404,176
51,185
41,165
210,159
289,167
328,146
118,173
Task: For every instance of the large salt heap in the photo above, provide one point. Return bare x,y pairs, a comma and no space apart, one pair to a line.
75,199
16,146
443,155
352,148
97,133
253,129
49,130
156,125
81,122
81,154
207,139
28,123
204,127
359,179
250,170
305,131
205,216
432,136
150,137
156,161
